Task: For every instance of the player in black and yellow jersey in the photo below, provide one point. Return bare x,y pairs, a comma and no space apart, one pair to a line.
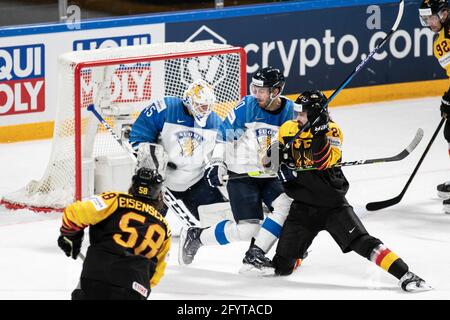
129,240
434,14
319,195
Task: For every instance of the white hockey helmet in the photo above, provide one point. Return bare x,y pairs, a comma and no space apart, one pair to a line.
199,98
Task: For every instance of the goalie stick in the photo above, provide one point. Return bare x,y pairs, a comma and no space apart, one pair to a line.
373,206
354,72
400,156
182,212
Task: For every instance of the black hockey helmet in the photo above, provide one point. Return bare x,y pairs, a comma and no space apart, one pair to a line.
146,183
312,103
431,7
434,5
269,77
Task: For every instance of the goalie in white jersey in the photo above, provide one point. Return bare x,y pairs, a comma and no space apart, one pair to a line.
187,129
243,139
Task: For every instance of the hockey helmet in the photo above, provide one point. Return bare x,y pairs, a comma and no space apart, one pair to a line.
199,98
431,8
312,103
268,77
146,183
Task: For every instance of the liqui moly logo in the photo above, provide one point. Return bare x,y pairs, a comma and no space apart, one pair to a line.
112,42
22,79
120,84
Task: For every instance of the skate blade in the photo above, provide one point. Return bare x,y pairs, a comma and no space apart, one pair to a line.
412,287
443,195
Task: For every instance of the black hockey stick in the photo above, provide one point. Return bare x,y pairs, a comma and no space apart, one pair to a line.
350,77
372,206
170,200
400,156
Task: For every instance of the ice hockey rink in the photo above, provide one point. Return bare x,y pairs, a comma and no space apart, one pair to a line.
33,267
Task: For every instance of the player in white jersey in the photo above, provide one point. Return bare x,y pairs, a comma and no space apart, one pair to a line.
243,139
187,129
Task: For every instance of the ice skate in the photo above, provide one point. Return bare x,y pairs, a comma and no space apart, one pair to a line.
412,283
443,190
189,244
255,263
446,206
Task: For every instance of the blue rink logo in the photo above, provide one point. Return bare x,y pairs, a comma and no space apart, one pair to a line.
111,42
22,79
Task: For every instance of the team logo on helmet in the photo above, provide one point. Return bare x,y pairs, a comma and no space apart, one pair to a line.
188,142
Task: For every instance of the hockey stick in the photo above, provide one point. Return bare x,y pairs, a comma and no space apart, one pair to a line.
125,145
400,156
372,206
175,204
350,77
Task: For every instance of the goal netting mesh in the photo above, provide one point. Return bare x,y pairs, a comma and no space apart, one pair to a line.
120,82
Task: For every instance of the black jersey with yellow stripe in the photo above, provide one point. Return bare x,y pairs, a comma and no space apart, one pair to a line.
441,48
325,187
129,239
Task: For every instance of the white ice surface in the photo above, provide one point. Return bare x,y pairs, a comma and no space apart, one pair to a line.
33,267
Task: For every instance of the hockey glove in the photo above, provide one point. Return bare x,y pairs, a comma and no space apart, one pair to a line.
275,155
272,158
445,104
286,173
215,171
71,245
321,126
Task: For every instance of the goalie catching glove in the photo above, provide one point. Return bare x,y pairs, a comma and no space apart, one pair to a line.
153,157
280,161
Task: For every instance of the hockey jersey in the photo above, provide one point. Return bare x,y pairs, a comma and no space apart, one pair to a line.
129,239
248,131
323,188
441,48
167,122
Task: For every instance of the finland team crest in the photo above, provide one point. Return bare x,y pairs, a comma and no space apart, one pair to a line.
188,142
264,137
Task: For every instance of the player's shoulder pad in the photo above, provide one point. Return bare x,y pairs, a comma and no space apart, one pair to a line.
156,106
334,134
101,201
447,31
214,121
288,128
239,110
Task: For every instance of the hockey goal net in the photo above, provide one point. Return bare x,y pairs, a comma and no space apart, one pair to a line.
120,82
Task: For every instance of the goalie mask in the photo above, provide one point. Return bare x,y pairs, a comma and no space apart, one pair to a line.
312,103
146,183
267,79
432,14
199,98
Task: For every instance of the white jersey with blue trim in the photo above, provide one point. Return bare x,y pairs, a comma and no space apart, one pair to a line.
167,122
248,131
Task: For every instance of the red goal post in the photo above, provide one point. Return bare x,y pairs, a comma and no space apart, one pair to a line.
120,82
